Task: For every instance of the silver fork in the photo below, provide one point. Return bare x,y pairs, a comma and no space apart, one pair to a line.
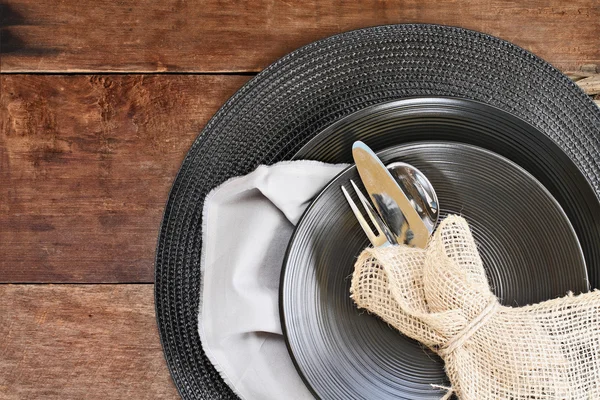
384,236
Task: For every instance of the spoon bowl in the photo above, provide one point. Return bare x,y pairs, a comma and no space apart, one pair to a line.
420,193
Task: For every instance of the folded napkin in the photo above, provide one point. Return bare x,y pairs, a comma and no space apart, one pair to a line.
247,223
440,296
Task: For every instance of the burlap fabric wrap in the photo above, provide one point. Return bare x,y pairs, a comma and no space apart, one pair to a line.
440,296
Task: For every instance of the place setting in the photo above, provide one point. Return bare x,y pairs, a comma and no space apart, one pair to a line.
398,212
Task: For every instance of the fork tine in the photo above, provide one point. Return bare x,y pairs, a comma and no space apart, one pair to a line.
361,220
377,222
385,234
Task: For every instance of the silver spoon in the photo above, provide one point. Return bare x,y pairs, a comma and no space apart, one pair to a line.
420,193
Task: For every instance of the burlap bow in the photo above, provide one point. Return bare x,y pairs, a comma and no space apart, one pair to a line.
440,296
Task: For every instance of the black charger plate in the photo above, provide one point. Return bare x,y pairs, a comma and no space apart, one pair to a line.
528,246
286,105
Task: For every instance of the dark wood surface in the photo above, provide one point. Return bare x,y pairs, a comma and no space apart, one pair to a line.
99,102
80,342
241,36
87,162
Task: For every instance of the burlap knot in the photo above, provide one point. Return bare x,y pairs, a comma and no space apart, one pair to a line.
440,296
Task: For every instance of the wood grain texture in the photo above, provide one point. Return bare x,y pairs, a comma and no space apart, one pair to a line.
81,342
86,164
590,85
218,35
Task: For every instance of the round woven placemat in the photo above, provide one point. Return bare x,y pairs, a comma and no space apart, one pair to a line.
273,115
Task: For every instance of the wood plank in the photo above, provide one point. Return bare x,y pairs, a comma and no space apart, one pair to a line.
590,85
217,35
81,342
86,164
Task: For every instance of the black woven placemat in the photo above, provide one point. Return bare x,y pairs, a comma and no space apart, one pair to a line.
278,111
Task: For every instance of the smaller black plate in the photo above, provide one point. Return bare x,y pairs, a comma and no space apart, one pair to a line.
528,246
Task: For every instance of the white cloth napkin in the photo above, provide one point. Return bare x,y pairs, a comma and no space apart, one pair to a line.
247,223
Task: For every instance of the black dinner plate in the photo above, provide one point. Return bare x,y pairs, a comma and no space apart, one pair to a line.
457,120
527,243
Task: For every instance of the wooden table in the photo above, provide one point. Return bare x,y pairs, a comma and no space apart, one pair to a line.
99,104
